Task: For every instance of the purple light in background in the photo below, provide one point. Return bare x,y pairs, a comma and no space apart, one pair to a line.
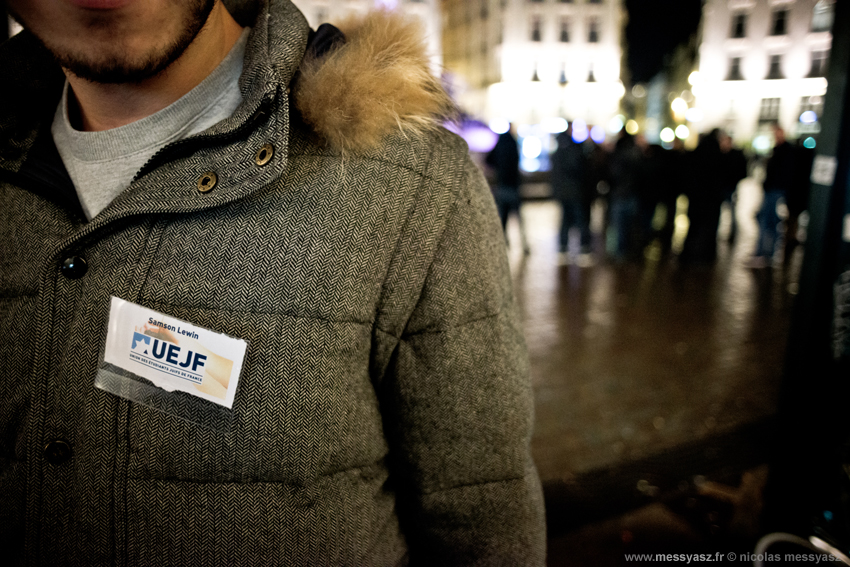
580,132
597,134
386,4
808,117
476,134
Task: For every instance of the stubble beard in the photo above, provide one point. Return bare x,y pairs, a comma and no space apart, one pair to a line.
116,68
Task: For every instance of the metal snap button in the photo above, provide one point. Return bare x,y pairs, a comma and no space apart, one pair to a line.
207,181
264,155
58,451
74,267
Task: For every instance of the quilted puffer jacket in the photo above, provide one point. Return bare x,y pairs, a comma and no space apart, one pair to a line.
383,415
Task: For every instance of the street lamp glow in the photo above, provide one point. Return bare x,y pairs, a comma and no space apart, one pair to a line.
632,127
682,132
667,135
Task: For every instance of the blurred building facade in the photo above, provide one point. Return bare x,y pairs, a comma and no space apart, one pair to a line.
531,61
334,11
763,61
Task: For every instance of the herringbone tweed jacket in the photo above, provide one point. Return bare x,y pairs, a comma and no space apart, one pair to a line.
384,411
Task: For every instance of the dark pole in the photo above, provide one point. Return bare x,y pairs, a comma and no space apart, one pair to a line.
4,24
814,410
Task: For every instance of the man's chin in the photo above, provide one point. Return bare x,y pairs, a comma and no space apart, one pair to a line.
116,71
110,56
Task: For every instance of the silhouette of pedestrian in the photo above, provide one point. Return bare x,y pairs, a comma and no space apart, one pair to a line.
504,159
569,180
704,199
777,181
623,172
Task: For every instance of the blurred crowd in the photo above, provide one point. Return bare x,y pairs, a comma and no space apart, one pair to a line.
640,186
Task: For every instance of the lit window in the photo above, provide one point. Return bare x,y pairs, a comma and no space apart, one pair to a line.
734,69
565,30
775,71
780,23
820,60
739,26
535,29
593,31
769,110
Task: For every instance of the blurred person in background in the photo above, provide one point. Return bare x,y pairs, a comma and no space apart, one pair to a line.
623,171
797,199
705,194
504,160
778,180
674,182
569,178
653,179
734,170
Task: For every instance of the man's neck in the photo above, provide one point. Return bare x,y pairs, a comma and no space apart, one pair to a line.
99,106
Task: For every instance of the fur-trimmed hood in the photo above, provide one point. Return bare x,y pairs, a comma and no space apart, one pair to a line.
378,81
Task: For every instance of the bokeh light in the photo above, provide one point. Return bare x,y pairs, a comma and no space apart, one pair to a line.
809,117
597,134
555,125
615,124
694,78
529,164
532,147
679,108
694,115
500,125
761,143
580,132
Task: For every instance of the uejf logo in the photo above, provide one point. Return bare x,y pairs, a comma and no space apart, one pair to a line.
167,357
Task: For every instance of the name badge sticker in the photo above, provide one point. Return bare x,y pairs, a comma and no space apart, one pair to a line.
172,354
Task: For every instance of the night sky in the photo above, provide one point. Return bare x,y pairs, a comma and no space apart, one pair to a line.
654,29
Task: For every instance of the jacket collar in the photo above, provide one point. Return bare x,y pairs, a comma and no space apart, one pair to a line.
168,184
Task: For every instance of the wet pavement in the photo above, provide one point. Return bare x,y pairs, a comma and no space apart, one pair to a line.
649,377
